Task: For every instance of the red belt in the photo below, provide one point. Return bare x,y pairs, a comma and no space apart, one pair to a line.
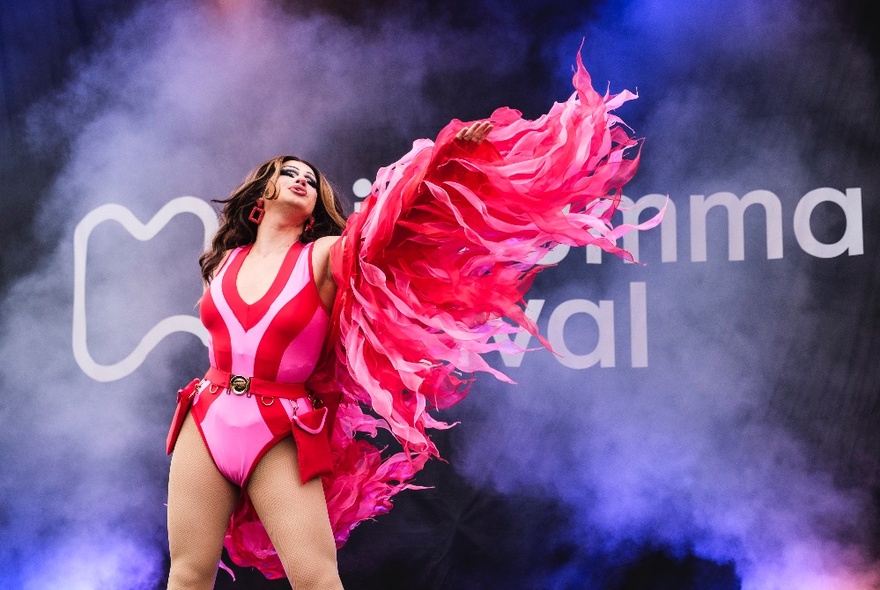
240,385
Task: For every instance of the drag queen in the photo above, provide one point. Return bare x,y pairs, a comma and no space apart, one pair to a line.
317,342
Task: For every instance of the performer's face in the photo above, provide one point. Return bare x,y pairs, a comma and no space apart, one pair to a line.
298,185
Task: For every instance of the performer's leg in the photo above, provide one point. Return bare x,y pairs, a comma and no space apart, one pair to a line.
295,516
200,502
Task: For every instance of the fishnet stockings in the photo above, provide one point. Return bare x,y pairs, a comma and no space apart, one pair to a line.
295,516
201,500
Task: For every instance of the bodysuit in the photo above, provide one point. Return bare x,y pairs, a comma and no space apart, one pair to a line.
277,338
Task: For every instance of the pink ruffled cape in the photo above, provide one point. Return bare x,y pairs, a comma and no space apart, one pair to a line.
441,253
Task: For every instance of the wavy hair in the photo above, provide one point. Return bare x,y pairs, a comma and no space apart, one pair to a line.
237,230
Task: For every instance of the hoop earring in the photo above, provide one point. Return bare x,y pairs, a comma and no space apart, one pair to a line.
257,212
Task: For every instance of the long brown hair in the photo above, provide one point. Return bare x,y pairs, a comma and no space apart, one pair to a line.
237,230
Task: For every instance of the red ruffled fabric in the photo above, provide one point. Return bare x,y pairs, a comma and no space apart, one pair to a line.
441,253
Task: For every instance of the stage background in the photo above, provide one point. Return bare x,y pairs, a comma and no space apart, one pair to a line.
713,421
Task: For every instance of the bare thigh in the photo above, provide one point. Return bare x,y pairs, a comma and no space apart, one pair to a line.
200,502
295,516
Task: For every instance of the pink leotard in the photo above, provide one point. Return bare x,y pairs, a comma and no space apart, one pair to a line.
277,338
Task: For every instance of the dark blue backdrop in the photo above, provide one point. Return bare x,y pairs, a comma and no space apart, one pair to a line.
711,422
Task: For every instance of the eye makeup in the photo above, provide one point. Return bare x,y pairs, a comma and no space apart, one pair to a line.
293,172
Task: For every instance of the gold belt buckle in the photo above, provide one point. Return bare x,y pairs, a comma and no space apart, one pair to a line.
239,385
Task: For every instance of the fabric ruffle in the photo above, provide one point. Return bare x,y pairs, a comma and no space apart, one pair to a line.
442,251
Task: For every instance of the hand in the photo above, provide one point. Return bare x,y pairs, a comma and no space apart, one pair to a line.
475,132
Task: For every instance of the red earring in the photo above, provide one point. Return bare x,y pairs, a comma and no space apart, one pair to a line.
310,224
257,212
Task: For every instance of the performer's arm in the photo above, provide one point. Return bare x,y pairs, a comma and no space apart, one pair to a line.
323,268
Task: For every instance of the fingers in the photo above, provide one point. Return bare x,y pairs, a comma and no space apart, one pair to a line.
475,132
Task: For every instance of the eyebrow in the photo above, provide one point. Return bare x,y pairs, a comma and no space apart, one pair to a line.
295,167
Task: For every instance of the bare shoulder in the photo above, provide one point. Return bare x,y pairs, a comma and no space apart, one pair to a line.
323,245
219,265
222,261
